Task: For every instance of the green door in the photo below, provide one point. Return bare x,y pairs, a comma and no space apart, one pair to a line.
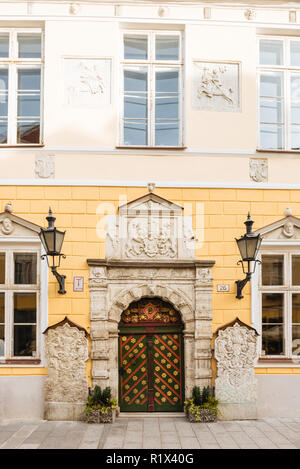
167,371
133,372
151,377
151,372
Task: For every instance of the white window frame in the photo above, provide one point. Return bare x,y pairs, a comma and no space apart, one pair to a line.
14,63
287,70
152,65
287,289
9,288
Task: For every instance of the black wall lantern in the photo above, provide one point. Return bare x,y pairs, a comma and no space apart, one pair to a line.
248,245
52,240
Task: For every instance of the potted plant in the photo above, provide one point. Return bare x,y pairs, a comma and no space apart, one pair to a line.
203,406
100,407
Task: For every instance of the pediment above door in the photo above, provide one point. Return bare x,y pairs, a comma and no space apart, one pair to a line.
149,228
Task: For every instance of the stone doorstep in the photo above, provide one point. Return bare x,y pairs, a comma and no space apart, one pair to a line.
143,415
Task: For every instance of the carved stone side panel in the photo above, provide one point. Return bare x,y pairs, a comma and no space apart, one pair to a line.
236,353
216,86
87,82
258,169
44,166
66,351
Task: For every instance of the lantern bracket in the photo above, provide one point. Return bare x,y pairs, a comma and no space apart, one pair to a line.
241,283
61,281
60,278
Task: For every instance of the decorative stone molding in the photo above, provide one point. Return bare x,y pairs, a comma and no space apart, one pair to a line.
74,8
6,226
216,86
258,169
163,11
44,166
293,16
87,82
10,224
250,14
207,13
173,282
236,353
66,388
286,229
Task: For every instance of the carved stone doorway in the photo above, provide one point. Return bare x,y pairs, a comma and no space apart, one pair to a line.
150,253
151,362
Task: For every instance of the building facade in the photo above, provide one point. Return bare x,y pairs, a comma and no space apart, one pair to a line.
151,130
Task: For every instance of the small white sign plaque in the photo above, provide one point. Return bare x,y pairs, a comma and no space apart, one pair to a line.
222,288
78,283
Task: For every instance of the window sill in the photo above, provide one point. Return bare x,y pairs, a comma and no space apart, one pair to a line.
125,147
20,361
29,145
291,361
259,150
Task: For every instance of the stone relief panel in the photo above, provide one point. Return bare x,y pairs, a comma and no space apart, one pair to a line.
87,82
216,86
44,166
150,240
236,353
149,237
258,169
6,226
66,351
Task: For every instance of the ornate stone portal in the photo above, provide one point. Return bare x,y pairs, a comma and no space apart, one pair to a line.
150,253
236,353
66,388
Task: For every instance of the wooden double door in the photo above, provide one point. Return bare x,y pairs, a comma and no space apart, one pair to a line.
151,371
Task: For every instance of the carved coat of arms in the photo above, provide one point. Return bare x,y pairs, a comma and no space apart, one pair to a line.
152,241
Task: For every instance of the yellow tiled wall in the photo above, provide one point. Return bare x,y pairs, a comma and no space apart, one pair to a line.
224,213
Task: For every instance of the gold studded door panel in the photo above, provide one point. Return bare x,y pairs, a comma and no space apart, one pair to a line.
133,372
168,372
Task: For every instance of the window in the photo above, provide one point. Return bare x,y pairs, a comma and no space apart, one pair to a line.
19,300
20,86
152,89
279,93
280,304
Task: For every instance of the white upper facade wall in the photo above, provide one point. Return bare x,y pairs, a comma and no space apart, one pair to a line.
82,81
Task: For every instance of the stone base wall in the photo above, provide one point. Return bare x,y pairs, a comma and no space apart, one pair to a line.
22,397
278,396
244,411
64,411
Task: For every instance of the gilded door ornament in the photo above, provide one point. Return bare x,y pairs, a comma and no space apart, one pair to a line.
150,311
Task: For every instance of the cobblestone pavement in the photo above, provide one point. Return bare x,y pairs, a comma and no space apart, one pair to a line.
154,433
